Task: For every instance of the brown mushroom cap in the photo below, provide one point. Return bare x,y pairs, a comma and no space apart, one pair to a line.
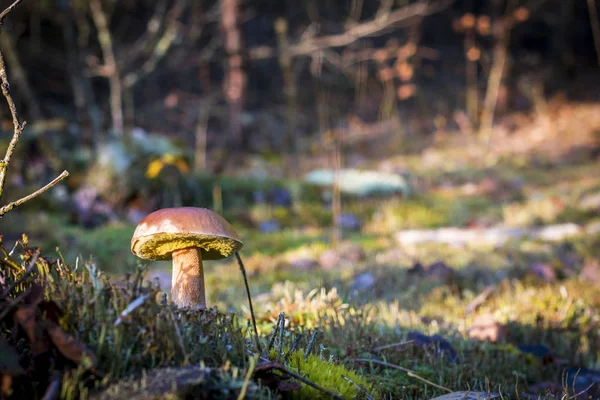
164,231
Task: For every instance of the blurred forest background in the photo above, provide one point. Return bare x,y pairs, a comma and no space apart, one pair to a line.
429,166
321,119
317,119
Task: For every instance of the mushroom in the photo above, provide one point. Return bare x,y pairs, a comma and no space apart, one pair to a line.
186,235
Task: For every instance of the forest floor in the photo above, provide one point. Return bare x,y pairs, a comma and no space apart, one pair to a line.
380,316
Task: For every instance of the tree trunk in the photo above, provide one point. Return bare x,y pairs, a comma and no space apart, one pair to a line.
235,79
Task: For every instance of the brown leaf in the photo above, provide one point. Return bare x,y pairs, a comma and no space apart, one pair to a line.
6,383
69,346
26,317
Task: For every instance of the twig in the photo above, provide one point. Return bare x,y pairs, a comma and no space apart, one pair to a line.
281,332
408,371
162,46
575,396
273,335
373,27
388,346
311,343
18,126
293,348
360,389
241,264
132,306
8,10
179,337
110,62
19,202
17,132
279,367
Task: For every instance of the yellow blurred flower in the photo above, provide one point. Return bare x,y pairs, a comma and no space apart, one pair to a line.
156,166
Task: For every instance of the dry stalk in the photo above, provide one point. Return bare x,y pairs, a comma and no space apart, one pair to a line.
17,132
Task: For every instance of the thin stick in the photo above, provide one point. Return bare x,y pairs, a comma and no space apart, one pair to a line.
241,264
408,371
311,344
179,338
389,346
293,348
356,385
279,367
281,332
8,10
273,334
18,127
17,203
582,392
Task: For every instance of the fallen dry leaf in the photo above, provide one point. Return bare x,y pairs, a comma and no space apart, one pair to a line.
26,317
6,383
69,346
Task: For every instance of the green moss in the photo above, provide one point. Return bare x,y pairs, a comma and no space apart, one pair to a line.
329,375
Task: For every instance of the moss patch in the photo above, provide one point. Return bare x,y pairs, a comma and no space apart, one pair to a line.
328,375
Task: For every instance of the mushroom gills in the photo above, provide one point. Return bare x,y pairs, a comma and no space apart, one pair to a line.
161,246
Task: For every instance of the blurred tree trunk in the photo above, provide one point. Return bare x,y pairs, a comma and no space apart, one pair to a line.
562,38
110,65
20,76
235,78
289,79
87,111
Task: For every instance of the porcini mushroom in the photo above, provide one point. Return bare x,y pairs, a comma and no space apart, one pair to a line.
186,235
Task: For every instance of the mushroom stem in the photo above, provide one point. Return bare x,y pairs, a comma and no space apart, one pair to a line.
187,288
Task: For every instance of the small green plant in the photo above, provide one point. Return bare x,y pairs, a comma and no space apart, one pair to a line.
328,374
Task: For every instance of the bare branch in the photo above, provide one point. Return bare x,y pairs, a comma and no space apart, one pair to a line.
409,372
161,47
145,41
106,44
373,27
17,203
18,126
8,10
